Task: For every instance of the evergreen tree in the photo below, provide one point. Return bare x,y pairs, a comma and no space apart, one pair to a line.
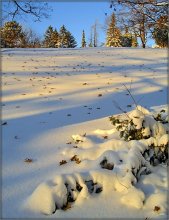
83,39
12,35
66,39
71,40
126,39
113,34
51,38
63,38
55,38
160,33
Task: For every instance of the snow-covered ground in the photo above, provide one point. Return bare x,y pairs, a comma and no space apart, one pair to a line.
56,104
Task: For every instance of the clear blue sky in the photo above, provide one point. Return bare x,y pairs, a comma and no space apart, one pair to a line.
76,16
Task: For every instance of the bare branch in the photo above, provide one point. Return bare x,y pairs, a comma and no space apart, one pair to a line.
37,10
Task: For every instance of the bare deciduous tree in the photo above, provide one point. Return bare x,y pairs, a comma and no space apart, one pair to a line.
153,9
11,9
140,16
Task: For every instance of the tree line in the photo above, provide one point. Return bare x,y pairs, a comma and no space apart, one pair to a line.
127,35
123,35
13,35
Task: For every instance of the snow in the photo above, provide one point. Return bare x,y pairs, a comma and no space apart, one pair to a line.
56,105
133,197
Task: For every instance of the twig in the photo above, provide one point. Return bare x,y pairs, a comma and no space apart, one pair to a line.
118,107
128,90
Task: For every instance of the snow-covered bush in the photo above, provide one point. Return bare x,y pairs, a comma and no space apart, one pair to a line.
115,165
140,124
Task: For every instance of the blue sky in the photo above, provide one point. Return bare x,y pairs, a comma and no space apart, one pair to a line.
76,16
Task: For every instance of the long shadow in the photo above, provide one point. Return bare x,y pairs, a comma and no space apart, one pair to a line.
51,117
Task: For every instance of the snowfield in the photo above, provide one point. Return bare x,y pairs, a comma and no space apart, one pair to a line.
63,154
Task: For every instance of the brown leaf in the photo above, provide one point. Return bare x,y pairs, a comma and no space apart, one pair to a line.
76,159
62,162
73,158
68,206
28,160
156,208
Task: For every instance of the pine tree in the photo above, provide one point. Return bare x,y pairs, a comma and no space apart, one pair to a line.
160,33
113,34
63,38
55,37
66,39
71,40
83,39
126,39
12,35
51,38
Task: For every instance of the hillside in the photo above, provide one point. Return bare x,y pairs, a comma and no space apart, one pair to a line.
62,155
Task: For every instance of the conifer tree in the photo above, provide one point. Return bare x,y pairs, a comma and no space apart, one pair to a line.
83,39
12,35
126,39
51,37
55,38
71,40
66,39
113,34
63,38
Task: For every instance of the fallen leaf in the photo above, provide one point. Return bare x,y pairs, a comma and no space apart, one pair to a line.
156,208
28,160
62,162
75,146
99,95
76,159
68,206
